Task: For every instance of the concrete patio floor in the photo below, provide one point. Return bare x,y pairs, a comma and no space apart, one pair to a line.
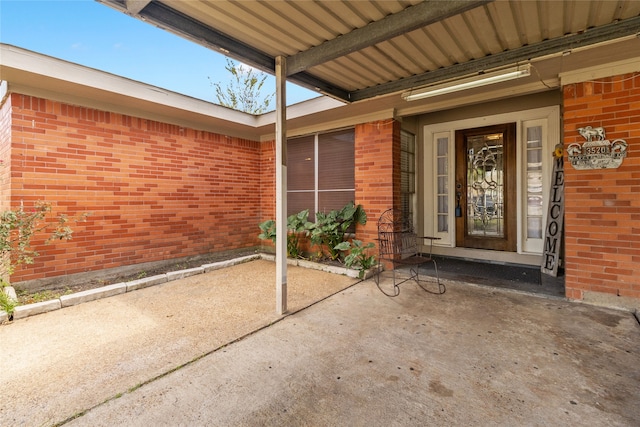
472,356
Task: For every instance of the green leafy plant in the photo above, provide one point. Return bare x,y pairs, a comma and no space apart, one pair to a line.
330,229
244,91
297,225
268,229
6,304
358,255
17,228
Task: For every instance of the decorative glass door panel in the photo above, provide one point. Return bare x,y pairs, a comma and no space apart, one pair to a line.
485,188
485,185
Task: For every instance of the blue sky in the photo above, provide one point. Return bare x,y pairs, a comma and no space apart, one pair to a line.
91,34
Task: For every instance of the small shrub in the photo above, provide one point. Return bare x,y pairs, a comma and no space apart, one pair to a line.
327,232
268,229
358,255
18,226
6,303
297,225
330,229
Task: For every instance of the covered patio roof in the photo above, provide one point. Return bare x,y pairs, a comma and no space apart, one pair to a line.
358,50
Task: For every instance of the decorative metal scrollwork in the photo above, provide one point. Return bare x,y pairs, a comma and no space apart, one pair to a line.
483,168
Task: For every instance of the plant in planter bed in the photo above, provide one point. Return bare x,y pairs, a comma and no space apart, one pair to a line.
328,233
358,255
330,229
17,227
297,225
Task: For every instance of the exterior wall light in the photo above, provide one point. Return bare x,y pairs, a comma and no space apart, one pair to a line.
468,83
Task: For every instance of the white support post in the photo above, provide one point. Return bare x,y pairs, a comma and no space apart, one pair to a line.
281,185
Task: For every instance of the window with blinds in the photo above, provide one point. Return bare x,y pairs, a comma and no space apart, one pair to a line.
320,172
301,174
407,173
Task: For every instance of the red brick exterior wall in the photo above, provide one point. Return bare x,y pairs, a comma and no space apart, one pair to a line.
154,191
5,166
602,212
5,150
377,174
267,181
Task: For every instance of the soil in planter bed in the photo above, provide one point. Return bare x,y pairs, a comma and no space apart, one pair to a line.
48,294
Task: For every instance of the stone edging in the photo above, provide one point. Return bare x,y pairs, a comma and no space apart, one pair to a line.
23,311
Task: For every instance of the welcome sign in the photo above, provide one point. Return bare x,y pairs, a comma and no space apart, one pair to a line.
555,217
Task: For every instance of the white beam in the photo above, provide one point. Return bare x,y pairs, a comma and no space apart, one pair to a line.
281,185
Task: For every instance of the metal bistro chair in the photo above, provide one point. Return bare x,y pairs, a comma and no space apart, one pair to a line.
398,246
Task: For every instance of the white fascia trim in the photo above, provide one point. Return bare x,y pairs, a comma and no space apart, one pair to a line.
12,57
301,109
322,126
21,59
600,71
4,90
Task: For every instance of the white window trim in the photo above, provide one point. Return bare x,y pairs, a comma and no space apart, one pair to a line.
532,245
431,227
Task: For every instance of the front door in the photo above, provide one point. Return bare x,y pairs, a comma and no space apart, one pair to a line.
486,188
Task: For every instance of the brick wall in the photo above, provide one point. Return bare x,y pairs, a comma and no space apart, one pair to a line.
5,154
267,181
5,165
377,174
374,175
154,191
602,213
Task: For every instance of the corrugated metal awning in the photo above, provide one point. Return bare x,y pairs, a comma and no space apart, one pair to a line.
356,50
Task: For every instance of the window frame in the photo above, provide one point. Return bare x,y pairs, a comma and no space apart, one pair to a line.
407,196
317,191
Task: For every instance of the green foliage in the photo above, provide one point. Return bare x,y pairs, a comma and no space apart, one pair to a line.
328,232
243,92
358,255
297,225
6,304
268,229
329,229
17,228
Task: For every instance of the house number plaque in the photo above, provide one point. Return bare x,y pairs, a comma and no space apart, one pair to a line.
597,152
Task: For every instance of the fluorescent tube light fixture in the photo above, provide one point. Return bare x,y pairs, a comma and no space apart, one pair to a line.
468,83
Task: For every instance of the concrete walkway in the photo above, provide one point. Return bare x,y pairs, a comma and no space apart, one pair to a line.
473,356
